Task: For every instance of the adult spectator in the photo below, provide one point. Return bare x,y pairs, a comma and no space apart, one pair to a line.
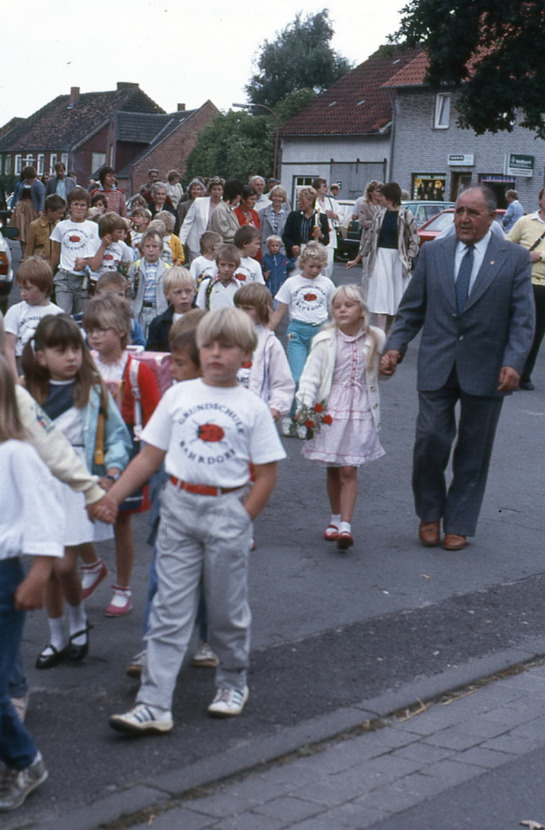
329,206
196,190
175,190
529,232
273,217
305,224
335,189
471,296
145,189
258,183
514,210
108,187
245,211
196,220
159,200
367,206
387,252
60,183
223,219
29,198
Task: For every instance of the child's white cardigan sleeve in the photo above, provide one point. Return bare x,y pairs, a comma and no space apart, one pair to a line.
282,384
317,377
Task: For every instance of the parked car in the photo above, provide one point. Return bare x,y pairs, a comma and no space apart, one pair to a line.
433,227
422,210
6,273
348,232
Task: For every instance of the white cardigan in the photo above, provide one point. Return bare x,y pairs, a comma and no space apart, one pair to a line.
317,378
270,375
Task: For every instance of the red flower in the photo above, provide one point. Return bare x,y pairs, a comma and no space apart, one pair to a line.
327,419
318,407
309,424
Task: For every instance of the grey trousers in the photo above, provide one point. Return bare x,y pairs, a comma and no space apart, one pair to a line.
459,505
70,292
204,537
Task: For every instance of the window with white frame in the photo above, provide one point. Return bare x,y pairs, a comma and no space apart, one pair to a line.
18,164
52,162
7,165
442,111
64,159
40,164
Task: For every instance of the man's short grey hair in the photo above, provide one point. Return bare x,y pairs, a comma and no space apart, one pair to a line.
488,195
261,179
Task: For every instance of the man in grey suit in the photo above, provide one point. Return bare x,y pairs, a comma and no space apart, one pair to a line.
471,296
61,184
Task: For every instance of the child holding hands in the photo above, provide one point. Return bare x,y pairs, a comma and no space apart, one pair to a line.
208,431
32,522
338,404
61,376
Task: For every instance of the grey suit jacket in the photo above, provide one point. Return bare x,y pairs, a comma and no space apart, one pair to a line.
496,328
51,186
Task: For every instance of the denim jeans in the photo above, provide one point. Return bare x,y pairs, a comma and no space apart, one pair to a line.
17,748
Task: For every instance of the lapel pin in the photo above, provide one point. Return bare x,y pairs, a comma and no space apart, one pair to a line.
492,262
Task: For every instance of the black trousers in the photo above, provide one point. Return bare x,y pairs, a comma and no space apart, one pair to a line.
539,297
459,504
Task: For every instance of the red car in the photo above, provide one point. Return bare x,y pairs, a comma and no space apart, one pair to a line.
433,227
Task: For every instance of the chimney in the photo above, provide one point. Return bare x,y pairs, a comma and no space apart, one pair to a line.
126,85
74,95
181,108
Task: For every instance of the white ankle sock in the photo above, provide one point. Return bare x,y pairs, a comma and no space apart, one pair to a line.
345,527
335,519
57,631
77,621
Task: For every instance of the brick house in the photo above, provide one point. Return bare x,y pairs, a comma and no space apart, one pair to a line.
433,157
88,130
345,134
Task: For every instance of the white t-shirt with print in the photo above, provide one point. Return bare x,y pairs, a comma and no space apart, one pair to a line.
212,433
202,267
308,299
114,254
22,320
249,270
77,239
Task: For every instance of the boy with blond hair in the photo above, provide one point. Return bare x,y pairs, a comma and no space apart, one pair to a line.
208,431
179,289
218,291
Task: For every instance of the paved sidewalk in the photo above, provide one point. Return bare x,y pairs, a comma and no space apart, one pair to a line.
408,771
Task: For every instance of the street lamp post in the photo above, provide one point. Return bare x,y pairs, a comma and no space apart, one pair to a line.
276,126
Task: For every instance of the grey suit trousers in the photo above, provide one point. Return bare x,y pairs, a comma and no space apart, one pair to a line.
459,504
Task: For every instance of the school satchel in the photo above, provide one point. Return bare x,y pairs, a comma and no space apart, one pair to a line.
158,362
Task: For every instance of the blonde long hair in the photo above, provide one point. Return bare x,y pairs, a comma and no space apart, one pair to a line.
354,293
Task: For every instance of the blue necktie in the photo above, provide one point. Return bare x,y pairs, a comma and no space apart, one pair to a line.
463,279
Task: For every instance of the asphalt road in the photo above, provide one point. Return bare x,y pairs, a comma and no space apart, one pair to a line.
328,628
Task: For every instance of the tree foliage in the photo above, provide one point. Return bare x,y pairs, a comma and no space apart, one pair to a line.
300,57
492,50
235,146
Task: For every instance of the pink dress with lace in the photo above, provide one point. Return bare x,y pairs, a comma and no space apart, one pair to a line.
352,439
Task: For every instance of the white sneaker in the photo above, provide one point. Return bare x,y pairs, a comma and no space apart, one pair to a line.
204,657
228,702
142,719
287,427
15,785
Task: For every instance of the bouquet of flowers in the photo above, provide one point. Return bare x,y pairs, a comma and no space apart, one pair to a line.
311,418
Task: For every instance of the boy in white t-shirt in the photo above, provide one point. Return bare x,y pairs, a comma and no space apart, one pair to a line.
219,291
35,280
248,241
111,251
306,296
205,264
73,243
208,431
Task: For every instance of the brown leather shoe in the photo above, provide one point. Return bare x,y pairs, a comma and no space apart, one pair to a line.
429,534
454,542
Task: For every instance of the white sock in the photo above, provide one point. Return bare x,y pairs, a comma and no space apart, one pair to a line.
335,519
345,527
77,621
57,630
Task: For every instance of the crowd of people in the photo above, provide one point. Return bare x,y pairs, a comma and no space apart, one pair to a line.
83,381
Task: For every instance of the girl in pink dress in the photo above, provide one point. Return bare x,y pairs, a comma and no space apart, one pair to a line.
338,402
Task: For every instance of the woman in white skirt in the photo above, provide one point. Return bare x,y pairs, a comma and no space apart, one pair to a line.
387,252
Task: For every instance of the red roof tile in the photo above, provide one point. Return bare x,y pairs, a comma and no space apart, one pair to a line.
356,104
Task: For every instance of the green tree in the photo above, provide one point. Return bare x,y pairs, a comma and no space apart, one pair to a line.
300,57
491,49
293,102
235,146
